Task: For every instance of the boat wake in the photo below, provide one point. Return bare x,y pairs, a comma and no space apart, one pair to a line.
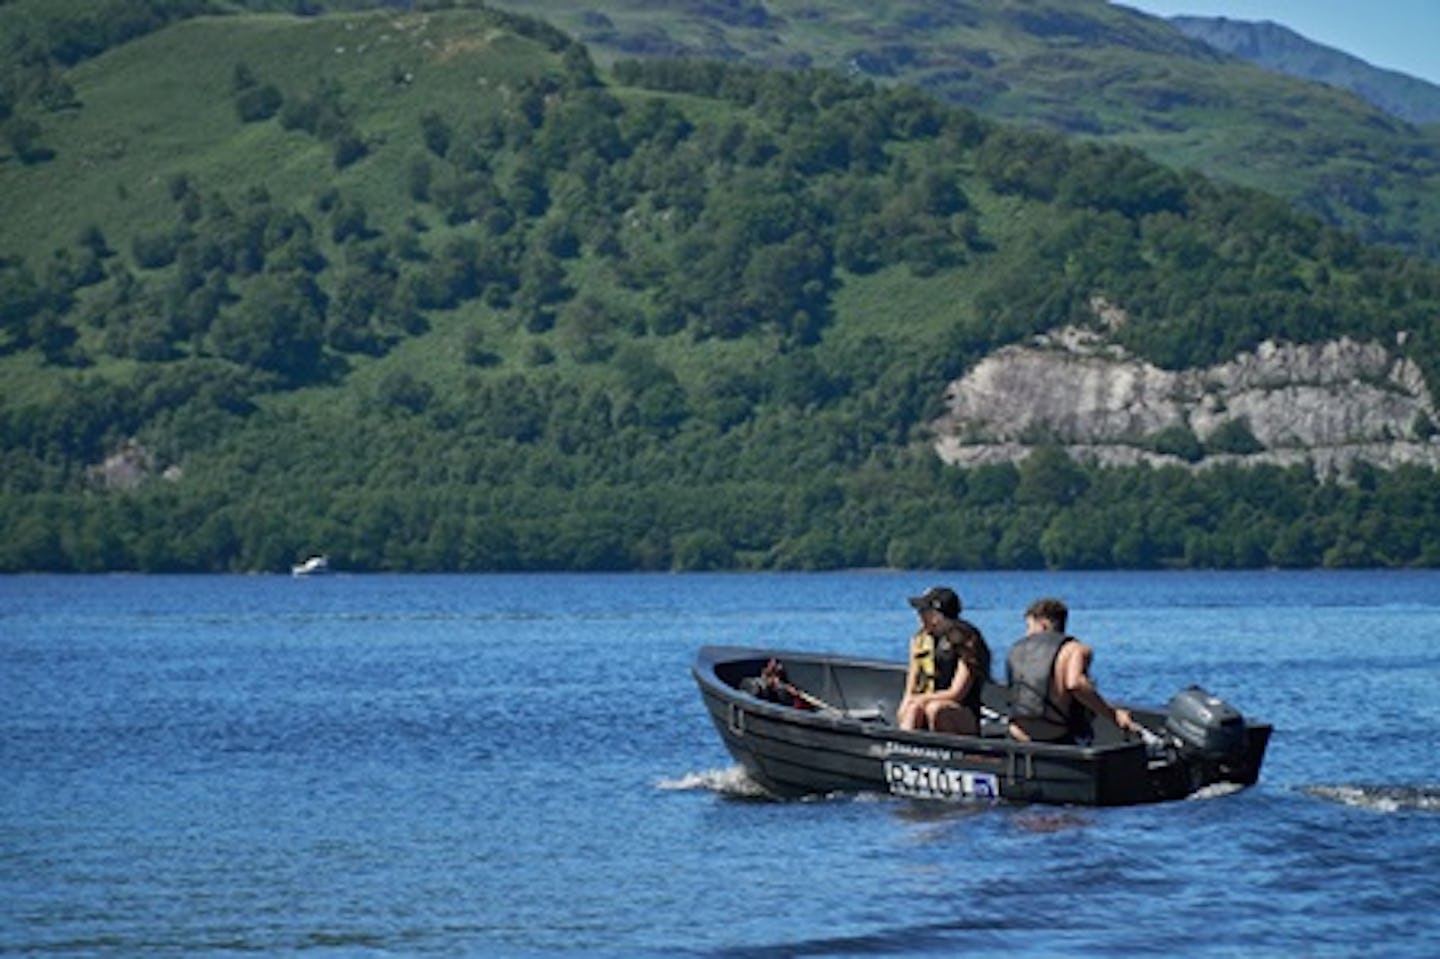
731,782
1387,799
1216,791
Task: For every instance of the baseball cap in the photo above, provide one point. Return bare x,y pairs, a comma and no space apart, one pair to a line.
942,599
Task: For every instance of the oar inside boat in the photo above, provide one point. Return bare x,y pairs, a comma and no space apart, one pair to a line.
773,685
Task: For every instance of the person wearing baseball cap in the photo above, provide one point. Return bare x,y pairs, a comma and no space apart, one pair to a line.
949,665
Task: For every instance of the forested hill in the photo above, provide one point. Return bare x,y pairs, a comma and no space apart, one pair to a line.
1088,68
1094,69
427,290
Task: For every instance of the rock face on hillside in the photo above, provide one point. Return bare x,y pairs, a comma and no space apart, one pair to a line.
128,467
1327,405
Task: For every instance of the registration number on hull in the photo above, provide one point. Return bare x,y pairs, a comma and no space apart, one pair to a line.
926,781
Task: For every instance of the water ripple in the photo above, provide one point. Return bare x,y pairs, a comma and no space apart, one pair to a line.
1385,799
731,782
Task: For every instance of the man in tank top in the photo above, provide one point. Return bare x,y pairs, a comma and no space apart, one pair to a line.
1052,695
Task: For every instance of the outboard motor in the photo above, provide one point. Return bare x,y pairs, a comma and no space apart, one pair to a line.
1206,724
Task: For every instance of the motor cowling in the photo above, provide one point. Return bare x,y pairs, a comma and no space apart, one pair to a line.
1204,723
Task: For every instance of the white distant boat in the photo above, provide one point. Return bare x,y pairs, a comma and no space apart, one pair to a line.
314,566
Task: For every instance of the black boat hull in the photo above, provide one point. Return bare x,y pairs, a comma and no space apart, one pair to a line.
852,745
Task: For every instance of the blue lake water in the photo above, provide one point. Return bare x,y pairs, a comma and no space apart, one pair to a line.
520,766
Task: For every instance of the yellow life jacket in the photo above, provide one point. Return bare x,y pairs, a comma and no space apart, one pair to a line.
922,656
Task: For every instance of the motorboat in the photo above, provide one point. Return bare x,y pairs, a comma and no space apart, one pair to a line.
833,731
314,566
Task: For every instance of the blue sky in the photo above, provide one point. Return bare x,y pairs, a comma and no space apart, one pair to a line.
1399,35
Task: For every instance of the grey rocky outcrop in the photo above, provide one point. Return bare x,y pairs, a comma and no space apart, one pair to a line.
128,468
1323,404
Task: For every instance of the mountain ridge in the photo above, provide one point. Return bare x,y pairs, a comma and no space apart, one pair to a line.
1279,48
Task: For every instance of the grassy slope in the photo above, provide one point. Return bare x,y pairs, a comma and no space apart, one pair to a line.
1085,67
113,164
113,167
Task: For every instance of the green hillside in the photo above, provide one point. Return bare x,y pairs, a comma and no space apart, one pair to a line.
425,290
1086,68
